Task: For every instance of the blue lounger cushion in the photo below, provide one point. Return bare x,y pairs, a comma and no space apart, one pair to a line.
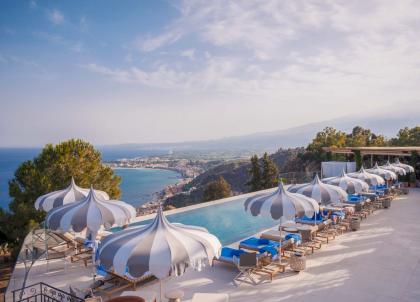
304,219
269,249
258,243
296,237
227,254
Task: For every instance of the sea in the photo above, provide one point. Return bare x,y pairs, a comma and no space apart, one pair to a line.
138,185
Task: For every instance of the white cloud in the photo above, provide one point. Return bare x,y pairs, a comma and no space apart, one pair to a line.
17,60
83,24
357,54
60,40
128,58
55,17
116,74
188,53
153,43
33,4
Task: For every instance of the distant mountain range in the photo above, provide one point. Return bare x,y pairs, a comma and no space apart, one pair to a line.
387,124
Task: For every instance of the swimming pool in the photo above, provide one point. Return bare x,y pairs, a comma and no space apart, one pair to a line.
228,220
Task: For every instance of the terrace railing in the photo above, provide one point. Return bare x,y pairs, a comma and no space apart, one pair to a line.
41,292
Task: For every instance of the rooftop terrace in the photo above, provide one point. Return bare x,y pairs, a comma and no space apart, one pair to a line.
380,262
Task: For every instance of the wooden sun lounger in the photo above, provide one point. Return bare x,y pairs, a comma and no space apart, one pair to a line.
85,256
71,241
116,283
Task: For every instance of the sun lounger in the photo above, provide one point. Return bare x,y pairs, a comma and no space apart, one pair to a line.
114,283
72,242
256,244
84,256
274,235
325,233
316,220
247,265
227,255
231,256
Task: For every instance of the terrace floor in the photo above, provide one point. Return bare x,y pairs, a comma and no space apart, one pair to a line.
380,262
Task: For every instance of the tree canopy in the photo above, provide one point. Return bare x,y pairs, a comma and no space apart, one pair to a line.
270,174
255,182
52,170
217,189
407,137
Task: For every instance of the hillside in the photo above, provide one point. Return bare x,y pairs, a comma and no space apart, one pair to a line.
386,123
236,174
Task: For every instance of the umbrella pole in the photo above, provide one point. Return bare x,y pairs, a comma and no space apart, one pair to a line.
160,290
281,248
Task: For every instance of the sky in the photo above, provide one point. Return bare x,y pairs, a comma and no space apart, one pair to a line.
166,71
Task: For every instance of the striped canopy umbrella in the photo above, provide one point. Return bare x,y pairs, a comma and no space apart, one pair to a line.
70,194
160,248
90,214
348,184
371,179
323,193
386,174
281,204
397,170
407,168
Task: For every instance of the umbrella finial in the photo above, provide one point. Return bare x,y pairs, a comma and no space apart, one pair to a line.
91,194
281,186
72,182
316,179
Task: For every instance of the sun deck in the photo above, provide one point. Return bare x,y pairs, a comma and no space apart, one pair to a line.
380,262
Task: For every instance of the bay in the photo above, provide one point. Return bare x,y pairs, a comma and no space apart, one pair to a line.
137,186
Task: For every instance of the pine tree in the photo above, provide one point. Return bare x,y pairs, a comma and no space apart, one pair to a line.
217,189
52,170
255,171
270,173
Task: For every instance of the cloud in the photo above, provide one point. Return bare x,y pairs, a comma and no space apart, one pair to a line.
33,4
129,58
55,17
188,53
60,40
83,24
153,43
17,60
357,53
117,75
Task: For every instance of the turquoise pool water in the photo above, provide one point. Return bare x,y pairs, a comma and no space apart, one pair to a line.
228,221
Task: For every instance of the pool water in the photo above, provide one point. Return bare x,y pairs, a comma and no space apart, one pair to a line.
228,221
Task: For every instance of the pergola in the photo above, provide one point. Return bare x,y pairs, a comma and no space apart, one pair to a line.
384,151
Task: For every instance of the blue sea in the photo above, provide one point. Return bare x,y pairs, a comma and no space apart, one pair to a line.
138,185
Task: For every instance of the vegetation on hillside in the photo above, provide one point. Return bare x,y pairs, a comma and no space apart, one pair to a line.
264,175
52,170
255,183
244,176
217,189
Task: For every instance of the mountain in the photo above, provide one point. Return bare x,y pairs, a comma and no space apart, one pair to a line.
387,123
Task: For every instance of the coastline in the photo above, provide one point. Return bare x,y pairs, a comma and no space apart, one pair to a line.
186,168
146,168
158,197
